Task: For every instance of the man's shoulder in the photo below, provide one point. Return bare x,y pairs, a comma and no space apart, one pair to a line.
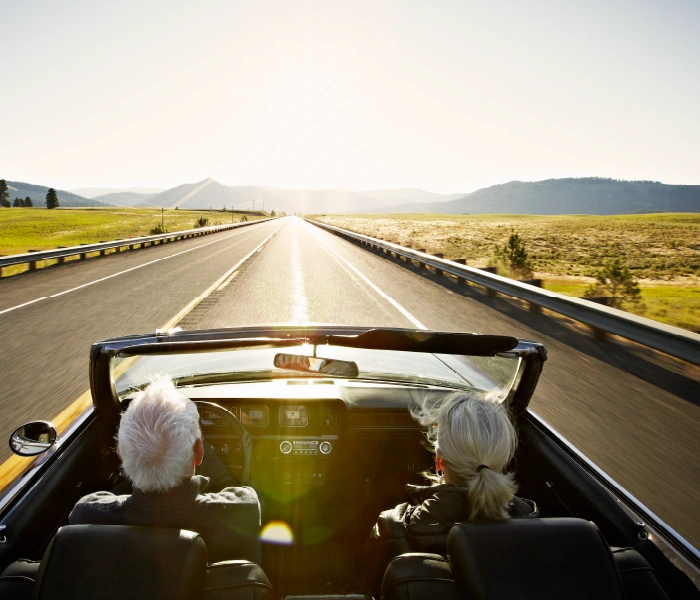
90,508
231,495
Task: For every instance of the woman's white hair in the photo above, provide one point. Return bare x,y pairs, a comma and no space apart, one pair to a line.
156,436
476,439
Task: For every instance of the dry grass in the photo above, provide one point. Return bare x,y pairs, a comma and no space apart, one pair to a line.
661,250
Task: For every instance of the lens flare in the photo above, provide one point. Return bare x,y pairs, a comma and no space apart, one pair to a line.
277,532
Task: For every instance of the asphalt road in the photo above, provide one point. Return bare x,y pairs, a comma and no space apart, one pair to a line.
635,414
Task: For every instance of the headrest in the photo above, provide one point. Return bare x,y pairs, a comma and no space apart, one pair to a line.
532,558
99,562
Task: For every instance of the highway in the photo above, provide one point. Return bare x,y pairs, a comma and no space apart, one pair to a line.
634,413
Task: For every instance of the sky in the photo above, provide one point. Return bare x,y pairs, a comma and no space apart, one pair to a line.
445,96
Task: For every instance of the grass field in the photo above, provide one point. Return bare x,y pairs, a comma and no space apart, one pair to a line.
24,229
661,250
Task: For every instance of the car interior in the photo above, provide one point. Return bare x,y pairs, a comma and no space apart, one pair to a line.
326,459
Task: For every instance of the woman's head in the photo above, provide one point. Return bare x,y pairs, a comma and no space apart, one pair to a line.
474,441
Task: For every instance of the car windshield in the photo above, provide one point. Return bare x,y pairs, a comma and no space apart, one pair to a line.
494,375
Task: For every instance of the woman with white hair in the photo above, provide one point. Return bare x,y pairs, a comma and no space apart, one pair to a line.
474,440
160,445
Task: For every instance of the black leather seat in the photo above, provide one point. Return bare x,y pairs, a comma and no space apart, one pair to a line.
236,580
17,580
532,558
418,575
639,580
116,558
98,562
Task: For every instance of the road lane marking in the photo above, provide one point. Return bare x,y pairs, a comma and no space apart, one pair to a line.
14,466
389,299
21,305
84,285
146,264
300,302
229,280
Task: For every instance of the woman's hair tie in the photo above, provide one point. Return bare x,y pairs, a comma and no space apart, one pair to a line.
482,467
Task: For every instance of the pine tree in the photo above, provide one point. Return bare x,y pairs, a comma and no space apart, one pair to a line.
4,194
515,256
51,199
28,202
18,203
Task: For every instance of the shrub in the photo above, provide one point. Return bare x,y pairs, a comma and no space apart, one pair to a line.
617,282
158,230
202,222
514,256
244,218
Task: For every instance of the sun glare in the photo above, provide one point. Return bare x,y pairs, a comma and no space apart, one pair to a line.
277,532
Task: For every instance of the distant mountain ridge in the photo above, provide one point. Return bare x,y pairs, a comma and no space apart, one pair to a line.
209,193
37,193
126,199
588,195
94,192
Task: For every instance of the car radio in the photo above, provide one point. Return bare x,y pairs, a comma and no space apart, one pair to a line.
306,447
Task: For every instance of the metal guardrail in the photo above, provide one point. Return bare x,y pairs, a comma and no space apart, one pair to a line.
665,338
62,253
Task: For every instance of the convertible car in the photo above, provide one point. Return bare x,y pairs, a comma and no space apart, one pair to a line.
317,420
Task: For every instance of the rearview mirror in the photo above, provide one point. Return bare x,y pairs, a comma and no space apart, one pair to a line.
33,438
311,364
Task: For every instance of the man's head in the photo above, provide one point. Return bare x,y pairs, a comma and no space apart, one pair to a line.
159,439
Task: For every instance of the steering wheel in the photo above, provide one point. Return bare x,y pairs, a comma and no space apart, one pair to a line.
233,423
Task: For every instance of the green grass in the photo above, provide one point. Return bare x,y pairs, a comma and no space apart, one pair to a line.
24,229
676,305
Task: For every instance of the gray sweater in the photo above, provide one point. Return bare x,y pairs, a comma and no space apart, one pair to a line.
229,520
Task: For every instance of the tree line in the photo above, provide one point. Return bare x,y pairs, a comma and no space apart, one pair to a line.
51,198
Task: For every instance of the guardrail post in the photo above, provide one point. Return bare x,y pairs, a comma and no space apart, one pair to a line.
422,265
489,292
32,263
461,261
534,308
600,334
61,259
439,255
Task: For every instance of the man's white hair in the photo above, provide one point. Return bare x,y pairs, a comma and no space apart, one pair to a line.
157,435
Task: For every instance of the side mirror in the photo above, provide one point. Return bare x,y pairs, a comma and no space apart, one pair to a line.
33,438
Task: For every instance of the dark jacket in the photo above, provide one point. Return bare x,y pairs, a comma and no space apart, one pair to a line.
422,525
229,520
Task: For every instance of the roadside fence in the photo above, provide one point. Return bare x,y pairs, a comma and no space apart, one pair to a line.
34,259
674,341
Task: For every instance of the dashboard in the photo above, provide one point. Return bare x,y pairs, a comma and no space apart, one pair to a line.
311,434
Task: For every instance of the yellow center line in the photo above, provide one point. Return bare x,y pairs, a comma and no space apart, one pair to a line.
14,466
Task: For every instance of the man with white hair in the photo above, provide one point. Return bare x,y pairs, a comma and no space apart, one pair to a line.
160,444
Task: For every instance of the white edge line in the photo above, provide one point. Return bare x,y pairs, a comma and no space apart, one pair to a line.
391,301
21,305
146,264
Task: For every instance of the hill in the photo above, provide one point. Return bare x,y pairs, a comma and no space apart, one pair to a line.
209,193
590,195
127,199
37,193
408,196
94,192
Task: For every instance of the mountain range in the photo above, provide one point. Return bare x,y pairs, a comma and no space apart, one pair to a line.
37,193
590,195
